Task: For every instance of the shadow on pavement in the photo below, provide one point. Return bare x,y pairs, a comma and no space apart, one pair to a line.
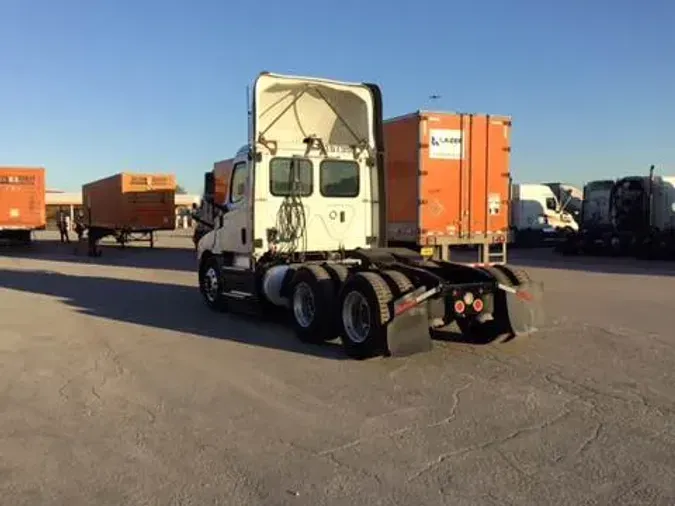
159,305
139,256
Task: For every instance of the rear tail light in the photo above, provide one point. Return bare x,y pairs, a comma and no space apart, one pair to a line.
478,305
459,306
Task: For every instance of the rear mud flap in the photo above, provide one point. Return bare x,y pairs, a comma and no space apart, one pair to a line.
525,308
408,333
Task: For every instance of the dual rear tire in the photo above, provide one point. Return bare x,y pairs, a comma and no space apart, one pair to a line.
327,302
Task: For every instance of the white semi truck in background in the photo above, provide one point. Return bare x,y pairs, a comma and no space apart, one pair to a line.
302,228
542,214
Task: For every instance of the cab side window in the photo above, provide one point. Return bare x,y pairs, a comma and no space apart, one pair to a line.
551,204
238,183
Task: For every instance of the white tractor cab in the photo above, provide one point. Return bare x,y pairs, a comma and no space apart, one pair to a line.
595,220
642,210
302,228
543,213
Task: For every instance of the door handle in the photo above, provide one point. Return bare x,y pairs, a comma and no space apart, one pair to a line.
342,216
243,236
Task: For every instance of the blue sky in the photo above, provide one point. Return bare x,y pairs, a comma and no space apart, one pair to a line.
89,88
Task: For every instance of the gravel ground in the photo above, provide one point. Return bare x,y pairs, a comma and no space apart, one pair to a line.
119,387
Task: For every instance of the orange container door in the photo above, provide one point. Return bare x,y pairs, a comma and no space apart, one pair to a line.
464,176
22,199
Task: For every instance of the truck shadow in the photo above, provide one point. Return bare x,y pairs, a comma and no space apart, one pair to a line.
159,305
167,258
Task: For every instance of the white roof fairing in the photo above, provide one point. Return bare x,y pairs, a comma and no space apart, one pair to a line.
289,109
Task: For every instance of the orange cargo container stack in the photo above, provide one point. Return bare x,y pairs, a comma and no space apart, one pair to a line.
130,202
448,182
22,201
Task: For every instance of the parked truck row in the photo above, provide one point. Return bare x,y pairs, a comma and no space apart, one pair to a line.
632,215
344,222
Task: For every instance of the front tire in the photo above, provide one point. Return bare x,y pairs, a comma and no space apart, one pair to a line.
364,311
211,284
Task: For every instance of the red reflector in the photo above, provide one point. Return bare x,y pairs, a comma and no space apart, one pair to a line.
405,306
524,295
478,305
459,306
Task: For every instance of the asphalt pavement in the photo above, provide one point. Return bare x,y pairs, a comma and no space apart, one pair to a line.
120,387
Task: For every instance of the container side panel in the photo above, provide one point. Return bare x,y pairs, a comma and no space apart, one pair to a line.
443,153
499,175
401,141
102,202
22,198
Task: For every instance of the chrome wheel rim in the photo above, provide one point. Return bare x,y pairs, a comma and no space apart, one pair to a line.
356,317
210,284
304,308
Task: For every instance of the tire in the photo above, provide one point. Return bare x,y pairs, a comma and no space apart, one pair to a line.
399,284
211,283
516,276
338,273
368,292
313,300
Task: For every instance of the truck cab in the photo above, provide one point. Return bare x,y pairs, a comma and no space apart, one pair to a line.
306,183
539,216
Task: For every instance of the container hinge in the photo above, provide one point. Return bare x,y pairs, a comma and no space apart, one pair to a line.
423,145
423,202
507,149
423,173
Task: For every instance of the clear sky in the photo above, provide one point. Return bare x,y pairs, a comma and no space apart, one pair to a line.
89,88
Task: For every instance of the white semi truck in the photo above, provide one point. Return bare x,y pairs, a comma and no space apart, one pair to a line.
544,213
302,228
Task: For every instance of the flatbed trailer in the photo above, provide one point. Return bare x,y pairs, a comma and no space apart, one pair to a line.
302,230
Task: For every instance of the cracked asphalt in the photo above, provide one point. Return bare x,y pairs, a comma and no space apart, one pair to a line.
119,387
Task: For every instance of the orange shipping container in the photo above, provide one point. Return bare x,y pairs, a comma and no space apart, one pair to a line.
22,198
132,202
222,173
447,178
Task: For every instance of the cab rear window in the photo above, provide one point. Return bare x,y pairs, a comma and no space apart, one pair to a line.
283,179
339,178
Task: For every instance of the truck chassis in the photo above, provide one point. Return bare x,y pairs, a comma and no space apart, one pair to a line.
380,300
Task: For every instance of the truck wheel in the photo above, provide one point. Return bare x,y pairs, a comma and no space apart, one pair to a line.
398,282
338,274
516,276
211,283
364,309
313,304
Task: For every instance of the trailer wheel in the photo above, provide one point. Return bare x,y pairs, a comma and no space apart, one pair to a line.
312,304
364,309
211,283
